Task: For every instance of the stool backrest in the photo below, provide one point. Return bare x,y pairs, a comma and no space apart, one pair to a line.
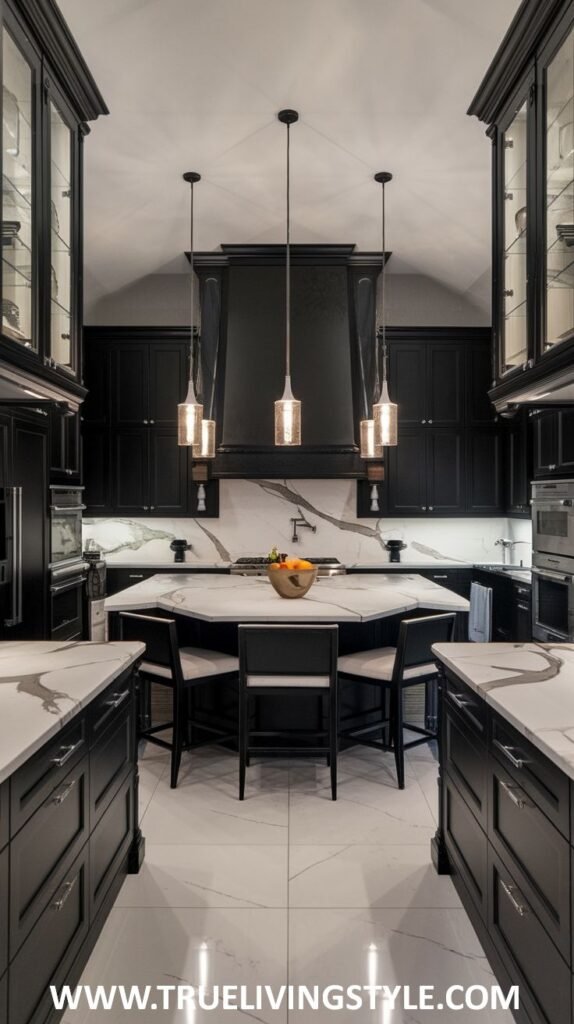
288,651
416,637
159,636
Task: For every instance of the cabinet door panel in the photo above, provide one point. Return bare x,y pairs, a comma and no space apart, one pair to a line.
484,472
109,843
168,473
566,461
478,383
466,843
98,366
131,373
444,472
131,470
407,474
167,382
546,440
444,385
96,463
407,380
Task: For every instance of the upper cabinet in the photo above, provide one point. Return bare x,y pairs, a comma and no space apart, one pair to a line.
44,115
527,101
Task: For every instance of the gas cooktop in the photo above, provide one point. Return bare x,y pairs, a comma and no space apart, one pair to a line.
255,565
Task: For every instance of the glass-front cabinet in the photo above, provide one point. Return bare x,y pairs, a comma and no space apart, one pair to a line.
20,73
48,96
514,272
558,194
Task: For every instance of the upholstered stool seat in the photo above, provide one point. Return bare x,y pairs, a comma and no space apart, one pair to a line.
379,664
196,663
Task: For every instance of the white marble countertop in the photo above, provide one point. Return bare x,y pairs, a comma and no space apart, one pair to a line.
529,684
167,563
43,684
252,598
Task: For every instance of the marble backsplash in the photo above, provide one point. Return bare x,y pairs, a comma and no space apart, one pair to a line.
255,515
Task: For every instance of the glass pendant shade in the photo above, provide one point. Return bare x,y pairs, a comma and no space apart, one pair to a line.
206,449
287,418
369,449
189,418
385,419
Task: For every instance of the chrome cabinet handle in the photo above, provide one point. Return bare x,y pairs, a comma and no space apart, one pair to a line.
117,699
509,891
144,421
430,421
135,576
424,508
65,757
65,890
431,508
459,702
513,793
16,509
444,577
152,421
523,607
517,762
59,798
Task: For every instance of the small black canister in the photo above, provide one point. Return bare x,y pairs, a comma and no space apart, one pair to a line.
96,581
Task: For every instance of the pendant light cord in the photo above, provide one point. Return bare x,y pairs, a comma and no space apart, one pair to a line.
192,293
288,265
383,304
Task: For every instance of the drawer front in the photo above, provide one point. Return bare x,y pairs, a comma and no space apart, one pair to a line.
50,949
35,780
110,842
542,781
110,705
535,852
533,961
467,704
4,892
4,814
464,756
44,849
457,580
466,844
112,757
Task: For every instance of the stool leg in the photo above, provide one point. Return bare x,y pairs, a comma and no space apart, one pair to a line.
398,738
177,740
333,739
243,739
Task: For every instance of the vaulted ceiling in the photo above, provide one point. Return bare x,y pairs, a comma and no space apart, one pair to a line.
196,85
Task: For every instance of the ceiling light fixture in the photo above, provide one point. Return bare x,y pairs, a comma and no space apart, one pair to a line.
288,409
384,411
190,412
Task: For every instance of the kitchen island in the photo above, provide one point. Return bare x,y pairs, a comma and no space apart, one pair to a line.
506,811
68,810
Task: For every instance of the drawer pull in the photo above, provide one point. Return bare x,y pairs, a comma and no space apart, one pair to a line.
135,576
510,890
444,577
523,607
517,762
117,699
66,890
64,793
67,754
512,792
460,702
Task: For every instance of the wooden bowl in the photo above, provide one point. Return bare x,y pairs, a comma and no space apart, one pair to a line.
292,582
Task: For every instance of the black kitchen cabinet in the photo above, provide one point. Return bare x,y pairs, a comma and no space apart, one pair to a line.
553,442
518,465
484,471
132,462
526,99
43,75
427,381
511,606
522,625
425,473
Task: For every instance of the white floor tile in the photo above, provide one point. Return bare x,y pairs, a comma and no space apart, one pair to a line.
390,947
186,947
367,876
208,876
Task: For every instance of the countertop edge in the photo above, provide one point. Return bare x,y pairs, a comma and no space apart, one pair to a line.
62,720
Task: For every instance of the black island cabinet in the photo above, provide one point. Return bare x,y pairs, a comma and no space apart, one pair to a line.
69,834
505,836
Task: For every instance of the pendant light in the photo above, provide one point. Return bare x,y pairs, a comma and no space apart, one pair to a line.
288,409
384,411
190,412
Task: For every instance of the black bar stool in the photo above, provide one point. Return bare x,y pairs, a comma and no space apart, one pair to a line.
181,669
394,669
274,660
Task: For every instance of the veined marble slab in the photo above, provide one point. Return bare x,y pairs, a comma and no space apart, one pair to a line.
252,598
43,684
531,685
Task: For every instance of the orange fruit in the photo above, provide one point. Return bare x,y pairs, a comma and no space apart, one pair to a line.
304,564
273,565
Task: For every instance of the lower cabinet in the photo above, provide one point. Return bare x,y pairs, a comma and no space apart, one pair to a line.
73,826
505,828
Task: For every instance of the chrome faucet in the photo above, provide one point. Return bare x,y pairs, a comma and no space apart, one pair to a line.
299,521
507,545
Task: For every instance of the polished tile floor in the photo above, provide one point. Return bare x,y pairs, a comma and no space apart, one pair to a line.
288,888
